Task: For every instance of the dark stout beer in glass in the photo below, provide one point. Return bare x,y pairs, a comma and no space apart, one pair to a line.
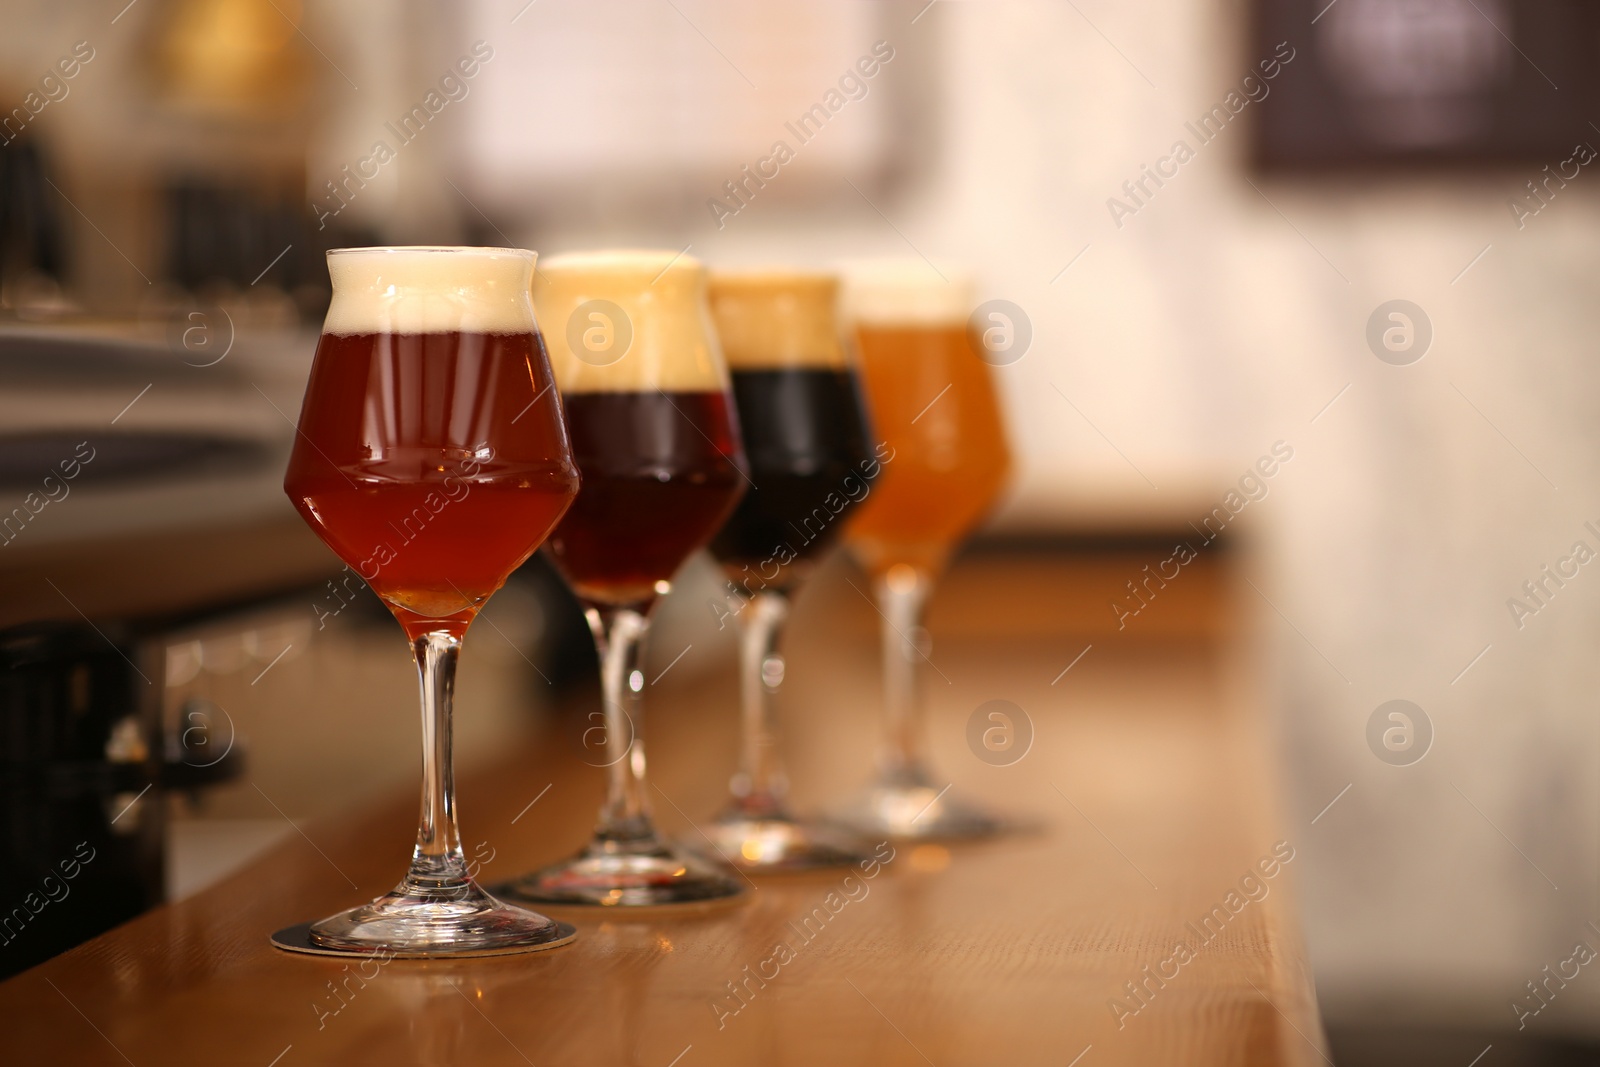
811,462
805,432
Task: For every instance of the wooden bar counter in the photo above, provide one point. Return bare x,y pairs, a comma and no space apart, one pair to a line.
1149,918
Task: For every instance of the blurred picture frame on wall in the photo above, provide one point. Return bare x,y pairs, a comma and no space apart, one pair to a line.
1395,84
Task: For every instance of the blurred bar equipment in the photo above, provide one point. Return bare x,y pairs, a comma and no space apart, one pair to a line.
87,757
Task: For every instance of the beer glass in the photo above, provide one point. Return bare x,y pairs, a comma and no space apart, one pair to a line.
805,436
656,438
432,458
933,403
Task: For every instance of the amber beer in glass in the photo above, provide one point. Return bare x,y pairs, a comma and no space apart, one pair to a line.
432,458
805,434
657,440
934,404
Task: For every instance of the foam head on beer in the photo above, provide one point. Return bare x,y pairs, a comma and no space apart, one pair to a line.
907,293
628,321
416,290
777,319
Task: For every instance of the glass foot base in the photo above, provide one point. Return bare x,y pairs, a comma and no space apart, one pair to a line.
916,811
779,842
633,875
416,922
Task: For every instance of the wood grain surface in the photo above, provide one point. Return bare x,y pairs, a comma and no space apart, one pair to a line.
1149,776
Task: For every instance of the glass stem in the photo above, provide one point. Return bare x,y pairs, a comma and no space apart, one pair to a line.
760,785
904,642
619,638
437,863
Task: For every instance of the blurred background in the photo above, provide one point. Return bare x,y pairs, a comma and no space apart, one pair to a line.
1203,212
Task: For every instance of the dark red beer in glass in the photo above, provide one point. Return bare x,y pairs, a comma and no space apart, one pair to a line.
656,436
432,458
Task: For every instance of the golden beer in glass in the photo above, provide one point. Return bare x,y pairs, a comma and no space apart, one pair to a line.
933,404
